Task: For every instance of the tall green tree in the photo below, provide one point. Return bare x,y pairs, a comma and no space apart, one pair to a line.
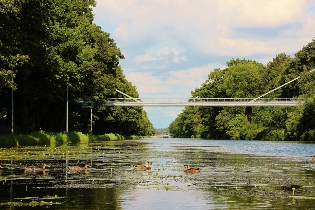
300,124
11,55
58,53
250,79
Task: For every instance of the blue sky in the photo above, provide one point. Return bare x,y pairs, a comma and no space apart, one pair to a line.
170,47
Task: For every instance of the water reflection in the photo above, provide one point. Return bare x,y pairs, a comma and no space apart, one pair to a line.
166,199
233,175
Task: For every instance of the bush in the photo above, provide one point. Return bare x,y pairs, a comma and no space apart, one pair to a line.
60,139
41,138
8,141
132,137
308,135
73,138
84,139
275,135
111,137
99,138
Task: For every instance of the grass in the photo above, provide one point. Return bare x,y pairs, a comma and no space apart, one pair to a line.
42,138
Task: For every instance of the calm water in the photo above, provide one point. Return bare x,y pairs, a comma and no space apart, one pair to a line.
234,175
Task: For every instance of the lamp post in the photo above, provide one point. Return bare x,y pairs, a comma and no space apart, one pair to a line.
67,113
91,120
12,112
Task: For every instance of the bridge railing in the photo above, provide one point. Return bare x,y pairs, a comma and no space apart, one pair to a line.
198,102
185,100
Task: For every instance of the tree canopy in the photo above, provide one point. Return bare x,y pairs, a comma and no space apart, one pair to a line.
249,79
50,46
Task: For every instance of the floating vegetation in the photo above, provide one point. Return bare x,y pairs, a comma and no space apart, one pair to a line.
34,201
303,197
235,180
30,204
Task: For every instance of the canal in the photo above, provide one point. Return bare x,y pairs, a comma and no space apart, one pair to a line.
233,175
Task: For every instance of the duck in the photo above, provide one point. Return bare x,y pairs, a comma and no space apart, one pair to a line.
313,159
290,187
191,170
36,169
143,167
75,169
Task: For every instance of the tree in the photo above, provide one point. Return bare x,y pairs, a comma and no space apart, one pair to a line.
11,56
273,75
58,50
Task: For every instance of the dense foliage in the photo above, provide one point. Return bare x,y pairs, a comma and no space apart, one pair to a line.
49,46
249,79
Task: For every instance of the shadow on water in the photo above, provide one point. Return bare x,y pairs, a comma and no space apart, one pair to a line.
232,175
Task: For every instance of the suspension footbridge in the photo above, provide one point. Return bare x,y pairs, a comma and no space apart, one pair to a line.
169,102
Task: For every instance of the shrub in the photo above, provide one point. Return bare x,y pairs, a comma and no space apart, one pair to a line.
84,139
73,138
8,141
61,139
308,135
42,137
77,137
27,140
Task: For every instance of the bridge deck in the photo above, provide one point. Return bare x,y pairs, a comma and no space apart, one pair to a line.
203,102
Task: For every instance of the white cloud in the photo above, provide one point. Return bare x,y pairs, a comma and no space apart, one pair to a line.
146,57
160,55
175,60
174,84
147,84
167,50
262,13
204,24
193,73
189,79
183,58
143,77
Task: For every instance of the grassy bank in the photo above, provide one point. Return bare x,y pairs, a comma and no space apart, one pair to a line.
42,138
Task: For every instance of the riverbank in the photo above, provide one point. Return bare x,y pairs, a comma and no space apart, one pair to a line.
42,138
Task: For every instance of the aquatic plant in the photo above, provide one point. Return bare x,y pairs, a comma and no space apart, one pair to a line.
255,184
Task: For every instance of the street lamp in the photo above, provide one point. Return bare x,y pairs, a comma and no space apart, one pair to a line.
12,113
67,113
91,119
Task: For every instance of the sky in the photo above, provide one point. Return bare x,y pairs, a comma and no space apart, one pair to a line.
171,46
